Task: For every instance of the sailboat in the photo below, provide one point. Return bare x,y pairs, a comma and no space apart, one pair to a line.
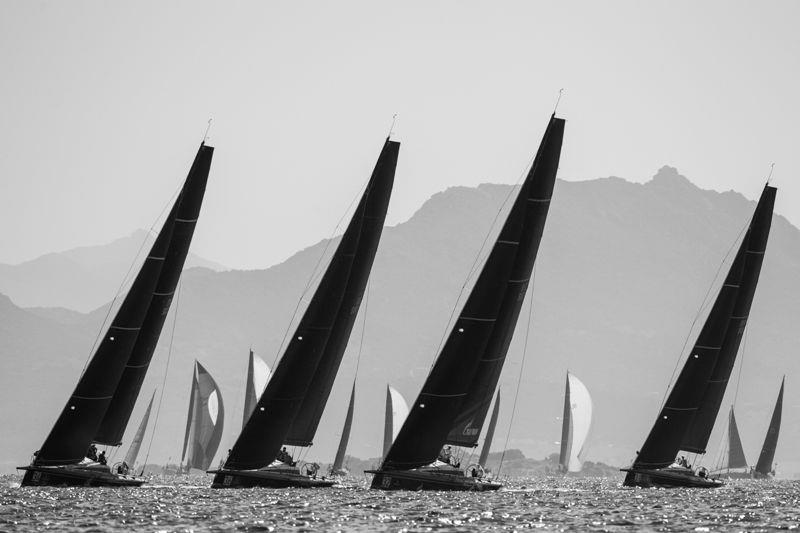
337,468
575,425
129,463
204,422
257,377
487,440
765,467
396,413
455,398
100,407
735,457
688,415
291,406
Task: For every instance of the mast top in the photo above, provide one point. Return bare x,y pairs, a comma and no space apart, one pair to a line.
208,128
558,100
391,128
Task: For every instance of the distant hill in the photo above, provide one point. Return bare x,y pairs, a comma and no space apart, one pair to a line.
81,278
621,275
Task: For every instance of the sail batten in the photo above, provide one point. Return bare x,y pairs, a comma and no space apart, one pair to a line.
289,410
456,396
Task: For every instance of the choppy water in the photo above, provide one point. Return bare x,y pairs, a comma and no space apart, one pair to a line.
545,504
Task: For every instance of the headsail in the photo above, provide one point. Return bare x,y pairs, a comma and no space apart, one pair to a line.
487,441
456,396
736,458
188,211
289,409
136,443
685,421
576,424
205,421
396,413
767,456
338,461
82,420
257,377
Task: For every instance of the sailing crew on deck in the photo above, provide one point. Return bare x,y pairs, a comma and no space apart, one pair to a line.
284,457
102,458
92,453
446,455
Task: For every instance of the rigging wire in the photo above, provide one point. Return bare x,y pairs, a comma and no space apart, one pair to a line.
166,371
703,306
126,278
521,370
473,268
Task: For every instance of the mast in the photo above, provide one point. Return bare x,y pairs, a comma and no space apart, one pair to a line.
487,442
338,462
566,432
455,398
736,458
205,421
767,456
289,409
127,390
136,443
684,421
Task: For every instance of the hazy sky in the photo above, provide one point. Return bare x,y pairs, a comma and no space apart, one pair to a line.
104,104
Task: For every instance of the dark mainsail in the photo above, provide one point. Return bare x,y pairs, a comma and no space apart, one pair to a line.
289,409
684,422
76,427
487,441
736,458
205,421
126,391
136,443
454,400
767,456
338,461
566,430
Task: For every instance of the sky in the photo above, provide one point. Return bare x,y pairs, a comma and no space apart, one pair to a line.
104,104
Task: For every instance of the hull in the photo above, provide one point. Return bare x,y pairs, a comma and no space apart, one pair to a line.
277,478
76,476
668,478
428,479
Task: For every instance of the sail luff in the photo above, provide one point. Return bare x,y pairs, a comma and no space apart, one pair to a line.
76,426
566,431
338,461
127,390
767,455
337,294
736,458
487,441
698,433
136,443
487,319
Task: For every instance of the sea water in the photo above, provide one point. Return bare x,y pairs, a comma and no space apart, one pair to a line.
547,504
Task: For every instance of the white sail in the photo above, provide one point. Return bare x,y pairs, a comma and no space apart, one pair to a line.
396,413
260,374
580,421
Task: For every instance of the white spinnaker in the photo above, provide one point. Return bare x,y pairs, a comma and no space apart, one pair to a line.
260,375
581,411
399,411
213,407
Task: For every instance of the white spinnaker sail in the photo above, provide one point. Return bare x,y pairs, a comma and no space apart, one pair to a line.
581,420
396,413
260,374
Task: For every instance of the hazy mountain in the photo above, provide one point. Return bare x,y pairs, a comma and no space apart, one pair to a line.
81,278
621,276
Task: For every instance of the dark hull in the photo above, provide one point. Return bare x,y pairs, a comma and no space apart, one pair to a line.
668,478
75,476
420,479
270,478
